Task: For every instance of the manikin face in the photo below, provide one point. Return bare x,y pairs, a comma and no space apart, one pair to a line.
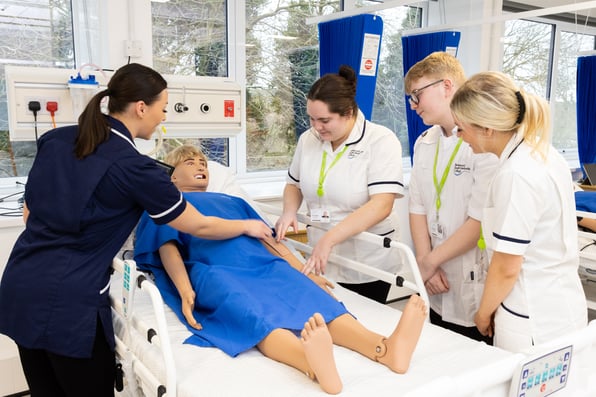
191,175
331,127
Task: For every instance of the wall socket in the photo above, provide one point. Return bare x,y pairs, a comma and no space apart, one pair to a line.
133,48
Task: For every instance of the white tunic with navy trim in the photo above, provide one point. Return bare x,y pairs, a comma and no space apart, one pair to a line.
370,165
531,212
463,196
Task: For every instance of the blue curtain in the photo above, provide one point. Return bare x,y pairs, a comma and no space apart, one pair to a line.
586,106
415,48
341,42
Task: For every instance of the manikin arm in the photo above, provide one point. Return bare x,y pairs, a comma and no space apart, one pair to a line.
174,265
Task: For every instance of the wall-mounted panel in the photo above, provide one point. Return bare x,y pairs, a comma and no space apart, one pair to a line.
197,105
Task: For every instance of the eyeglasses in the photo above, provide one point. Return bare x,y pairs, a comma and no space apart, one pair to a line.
415,94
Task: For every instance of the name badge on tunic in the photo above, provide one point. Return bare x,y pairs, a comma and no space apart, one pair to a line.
320,215
437,230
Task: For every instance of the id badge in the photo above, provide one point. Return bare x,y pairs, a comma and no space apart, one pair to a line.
320,215
437,230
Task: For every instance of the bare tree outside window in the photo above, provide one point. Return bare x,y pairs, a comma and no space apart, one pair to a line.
528,58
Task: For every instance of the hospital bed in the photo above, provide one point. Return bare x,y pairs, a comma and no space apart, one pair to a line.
155,360
587,255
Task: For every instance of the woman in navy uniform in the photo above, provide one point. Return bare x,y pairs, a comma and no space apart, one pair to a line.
85,193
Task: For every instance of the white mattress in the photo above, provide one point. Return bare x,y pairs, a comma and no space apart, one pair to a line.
210,372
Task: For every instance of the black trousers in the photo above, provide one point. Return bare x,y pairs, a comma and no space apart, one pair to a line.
375,290
53,375
470,332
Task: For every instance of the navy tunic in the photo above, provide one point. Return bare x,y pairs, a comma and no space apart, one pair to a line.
243,291
55,285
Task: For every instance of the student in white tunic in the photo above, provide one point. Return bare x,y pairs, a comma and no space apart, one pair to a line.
447,190
349,172
532,293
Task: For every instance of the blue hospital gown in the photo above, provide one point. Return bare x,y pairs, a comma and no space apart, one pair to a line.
243,291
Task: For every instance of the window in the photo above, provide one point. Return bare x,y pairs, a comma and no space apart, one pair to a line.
32,33
564,95
282,62
541,56
389,107
190,38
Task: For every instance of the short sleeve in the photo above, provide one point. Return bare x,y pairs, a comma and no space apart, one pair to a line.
515,213
149,238
293,176
151,187
385,174
485,165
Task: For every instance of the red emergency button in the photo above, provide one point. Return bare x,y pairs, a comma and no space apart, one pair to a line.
229,108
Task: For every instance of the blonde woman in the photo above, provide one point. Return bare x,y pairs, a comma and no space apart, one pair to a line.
532,293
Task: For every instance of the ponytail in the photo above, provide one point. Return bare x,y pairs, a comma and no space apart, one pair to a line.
93,127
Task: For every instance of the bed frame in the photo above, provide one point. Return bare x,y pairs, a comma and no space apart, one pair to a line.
157,334
155,361
587,255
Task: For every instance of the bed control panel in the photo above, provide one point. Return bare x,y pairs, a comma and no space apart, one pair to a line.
543,375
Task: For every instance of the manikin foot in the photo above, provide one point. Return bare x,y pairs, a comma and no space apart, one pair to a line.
318,348
402,342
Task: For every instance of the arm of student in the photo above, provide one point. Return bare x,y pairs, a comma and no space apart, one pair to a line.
437,283
191,221
502,274
372,212
461,241
174,265
278,249
292,199
420,239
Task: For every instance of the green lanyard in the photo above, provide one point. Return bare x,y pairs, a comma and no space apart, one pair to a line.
481,243
323,172
439,186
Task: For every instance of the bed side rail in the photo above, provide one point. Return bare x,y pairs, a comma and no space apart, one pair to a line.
132,280
391,278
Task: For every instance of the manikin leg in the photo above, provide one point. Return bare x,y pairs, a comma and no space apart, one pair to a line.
313,353
395,351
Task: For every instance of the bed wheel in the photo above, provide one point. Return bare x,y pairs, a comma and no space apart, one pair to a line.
161,390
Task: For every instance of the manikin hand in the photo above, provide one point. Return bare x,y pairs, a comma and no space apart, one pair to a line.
323,283
188,305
